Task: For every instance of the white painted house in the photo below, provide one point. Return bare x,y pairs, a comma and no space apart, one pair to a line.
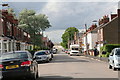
91,40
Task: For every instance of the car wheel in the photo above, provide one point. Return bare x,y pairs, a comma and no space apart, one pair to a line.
34,76
48,60
51,59
110,67
114,69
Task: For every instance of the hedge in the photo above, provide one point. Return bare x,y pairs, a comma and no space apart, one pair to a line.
108,48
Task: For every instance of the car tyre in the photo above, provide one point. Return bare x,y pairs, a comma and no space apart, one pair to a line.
110,67
48,61
34,76
114,69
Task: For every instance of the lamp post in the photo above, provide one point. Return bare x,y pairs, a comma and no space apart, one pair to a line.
86,42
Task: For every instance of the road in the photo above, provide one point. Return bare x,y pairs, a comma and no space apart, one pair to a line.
68,67
65,67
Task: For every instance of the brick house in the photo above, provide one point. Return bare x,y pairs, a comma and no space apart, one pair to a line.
12,37
109,31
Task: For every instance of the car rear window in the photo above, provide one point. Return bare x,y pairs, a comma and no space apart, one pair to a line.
40,53
15,55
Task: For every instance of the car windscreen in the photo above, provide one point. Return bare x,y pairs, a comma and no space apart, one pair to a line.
40,53
16,55
117,52
74,48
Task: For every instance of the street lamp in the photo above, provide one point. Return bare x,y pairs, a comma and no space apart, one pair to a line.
86,42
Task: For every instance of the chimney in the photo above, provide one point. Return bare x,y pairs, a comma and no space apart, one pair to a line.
118,12
105,19
113,16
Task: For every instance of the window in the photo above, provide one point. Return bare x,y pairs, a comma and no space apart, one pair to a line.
5,47
117,52
9,46
41,53
75,49
17,55
0,46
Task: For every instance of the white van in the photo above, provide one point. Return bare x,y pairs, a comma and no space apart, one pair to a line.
74,49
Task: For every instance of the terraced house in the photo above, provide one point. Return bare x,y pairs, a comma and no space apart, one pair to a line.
106,32
12,37
109,30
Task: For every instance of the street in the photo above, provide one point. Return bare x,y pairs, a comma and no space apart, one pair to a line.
68,67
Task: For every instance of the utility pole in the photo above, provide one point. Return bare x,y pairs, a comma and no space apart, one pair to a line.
86,42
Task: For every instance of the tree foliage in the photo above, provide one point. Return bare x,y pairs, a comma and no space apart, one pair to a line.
33,23
68,36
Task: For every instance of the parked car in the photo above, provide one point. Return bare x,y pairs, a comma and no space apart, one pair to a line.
18,64
50,53
66,51
54,50
42,56
114,59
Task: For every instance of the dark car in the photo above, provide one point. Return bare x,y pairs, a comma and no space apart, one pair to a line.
18,64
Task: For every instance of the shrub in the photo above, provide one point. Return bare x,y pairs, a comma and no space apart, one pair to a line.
101,49
107,54
108,48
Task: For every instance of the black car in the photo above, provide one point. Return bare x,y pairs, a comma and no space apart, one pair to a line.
18,64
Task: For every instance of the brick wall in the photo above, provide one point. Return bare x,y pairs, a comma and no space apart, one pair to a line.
110,32
1,28
119,25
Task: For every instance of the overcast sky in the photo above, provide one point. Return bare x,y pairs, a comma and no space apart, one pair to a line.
67,13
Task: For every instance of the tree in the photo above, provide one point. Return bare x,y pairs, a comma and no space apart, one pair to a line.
33,23
68,36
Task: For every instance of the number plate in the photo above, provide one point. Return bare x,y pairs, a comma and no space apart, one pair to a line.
12,67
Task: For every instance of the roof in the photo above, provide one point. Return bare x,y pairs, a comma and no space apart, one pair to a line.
101,26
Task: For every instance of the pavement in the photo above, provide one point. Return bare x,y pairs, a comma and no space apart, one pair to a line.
97,58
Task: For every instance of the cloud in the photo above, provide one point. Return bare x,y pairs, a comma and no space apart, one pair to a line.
68,14
60,0
76,14
55,35
119,5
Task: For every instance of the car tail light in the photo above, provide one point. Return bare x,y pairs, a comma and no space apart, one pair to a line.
1,66
26,63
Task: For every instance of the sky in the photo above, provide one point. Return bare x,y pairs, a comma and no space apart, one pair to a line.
63,13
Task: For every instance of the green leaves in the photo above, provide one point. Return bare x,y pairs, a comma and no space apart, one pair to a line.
36,22
68,36
33,23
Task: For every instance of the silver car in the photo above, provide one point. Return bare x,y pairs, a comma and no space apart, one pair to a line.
114,59
42,56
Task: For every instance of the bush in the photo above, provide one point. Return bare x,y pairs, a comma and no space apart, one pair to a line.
101,49
107,54
108,48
